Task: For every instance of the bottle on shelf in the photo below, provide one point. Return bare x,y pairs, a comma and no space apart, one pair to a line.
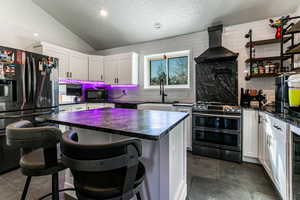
267,68
261,68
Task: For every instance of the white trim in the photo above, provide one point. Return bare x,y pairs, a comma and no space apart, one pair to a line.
159,56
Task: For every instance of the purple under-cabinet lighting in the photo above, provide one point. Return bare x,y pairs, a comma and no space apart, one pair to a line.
124,86
82,82
95,83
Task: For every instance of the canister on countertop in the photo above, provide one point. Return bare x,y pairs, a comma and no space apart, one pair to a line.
294,90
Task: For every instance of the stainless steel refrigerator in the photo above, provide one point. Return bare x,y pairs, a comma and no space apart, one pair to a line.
28,90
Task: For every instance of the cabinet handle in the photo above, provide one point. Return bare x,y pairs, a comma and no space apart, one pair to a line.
67,74
71,74
101,77
117,80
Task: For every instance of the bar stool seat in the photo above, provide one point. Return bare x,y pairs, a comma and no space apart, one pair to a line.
33,164
95,191
110,171
39,153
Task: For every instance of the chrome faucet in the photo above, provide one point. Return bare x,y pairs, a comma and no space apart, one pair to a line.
162,83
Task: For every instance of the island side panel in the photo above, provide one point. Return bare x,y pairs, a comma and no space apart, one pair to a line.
164,160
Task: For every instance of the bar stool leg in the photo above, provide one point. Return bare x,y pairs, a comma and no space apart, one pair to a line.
55,192
26,186
138,196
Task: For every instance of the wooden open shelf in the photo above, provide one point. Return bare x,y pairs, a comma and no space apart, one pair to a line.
268,41
264,75
267,58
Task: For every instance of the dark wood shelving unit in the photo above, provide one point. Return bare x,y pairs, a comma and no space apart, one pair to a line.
268,41
293,50
294,29
271,58
264,75
287,34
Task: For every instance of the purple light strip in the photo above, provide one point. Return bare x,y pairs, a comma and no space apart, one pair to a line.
82,82
96,83
124,86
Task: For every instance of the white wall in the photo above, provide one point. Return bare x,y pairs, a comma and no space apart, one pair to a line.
21,18
233,39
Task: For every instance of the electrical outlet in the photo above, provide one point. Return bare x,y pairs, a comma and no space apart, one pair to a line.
124,92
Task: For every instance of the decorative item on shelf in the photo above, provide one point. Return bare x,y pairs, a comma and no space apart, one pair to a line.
261,68
279,24
252,96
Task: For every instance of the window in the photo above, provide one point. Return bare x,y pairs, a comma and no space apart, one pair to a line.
173,66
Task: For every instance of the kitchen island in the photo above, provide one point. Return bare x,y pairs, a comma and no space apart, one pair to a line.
163,144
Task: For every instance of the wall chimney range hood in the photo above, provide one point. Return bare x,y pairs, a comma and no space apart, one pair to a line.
216,52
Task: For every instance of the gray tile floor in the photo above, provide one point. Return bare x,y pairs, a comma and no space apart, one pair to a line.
208,179
212,179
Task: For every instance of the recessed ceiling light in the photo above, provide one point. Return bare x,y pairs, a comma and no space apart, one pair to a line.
36,35
157,25
103,13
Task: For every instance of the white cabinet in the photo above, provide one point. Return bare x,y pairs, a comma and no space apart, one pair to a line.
187,125
96,69
78,66
273,151
121,69
63,59
110,69
72,64
250,135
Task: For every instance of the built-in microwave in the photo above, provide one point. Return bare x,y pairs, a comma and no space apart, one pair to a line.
99,94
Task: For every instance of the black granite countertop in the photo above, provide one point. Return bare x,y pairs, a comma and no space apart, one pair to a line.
174,103
285,116
145,124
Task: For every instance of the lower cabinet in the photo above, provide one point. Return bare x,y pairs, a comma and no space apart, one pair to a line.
187,126
273,152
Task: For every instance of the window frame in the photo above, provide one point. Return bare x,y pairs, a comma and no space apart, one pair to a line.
160,56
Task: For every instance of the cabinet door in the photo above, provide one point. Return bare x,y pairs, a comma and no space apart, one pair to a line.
250,133
124,69
110,69
280,156
96,72
188,127
63,60
79,66
261,137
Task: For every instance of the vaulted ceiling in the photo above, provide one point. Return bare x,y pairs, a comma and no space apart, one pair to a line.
131,21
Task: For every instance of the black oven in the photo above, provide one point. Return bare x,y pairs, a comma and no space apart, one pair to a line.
96,95
217,135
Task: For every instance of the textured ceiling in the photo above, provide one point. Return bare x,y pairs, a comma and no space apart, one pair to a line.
131,21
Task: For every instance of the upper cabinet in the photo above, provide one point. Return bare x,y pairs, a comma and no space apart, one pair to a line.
72,64
96,69
79,66
110,69
121,69
63,59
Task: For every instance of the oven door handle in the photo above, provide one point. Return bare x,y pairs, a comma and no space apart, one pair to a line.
213,115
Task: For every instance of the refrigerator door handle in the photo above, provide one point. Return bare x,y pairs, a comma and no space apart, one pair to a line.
29,86
34,78
23,66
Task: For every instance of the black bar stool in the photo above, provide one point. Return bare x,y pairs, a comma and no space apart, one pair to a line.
105,171
38,152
